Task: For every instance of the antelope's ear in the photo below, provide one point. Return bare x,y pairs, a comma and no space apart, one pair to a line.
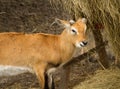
63,23
84,20
71,22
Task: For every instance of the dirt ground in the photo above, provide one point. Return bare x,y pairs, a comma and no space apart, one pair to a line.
32,16
28,16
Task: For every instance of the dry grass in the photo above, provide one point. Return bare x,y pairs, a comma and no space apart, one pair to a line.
103,79
100,14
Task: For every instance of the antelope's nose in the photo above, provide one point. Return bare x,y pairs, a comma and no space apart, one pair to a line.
83,43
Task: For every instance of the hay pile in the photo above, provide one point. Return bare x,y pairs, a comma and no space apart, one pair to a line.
104,79
101,14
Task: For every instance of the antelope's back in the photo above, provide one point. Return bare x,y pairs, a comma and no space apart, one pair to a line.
25,49
12,48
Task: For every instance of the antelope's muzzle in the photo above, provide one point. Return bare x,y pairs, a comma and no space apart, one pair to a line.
83,43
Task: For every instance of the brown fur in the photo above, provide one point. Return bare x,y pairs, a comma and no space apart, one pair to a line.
39,50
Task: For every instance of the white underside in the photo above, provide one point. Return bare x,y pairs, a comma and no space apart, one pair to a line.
13,70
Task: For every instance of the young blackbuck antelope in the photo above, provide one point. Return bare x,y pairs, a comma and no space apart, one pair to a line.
39,51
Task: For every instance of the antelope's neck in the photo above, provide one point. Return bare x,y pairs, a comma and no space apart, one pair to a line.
67,49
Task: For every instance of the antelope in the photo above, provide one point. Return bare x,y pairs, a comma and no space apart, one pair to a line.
42,52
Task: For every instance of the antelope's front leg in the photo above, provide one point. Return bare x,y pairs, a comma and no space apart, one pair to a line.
50,79
40,72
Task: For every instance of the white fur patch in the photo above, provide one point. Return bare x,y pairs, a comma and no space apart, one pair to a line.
72,21
13,70
78,45
84,20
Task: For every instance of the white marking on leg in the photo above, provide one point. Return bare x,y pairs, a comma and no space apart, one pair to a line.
50,76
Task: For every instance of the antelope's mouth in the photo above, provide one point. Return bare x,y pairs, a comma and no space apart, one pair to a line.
81,44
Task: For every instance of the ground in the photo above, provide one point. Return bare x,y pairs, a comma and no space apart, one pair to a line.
32,16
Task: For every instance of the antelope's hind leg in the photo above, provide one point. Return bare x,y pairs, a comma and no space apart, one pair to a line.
46,81
40,72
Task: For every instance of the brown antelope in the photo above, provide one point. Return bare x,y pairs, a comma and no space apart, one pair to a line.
40,51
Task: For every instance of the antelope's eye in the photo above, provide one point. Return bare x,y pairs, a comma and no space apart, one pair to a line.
73,31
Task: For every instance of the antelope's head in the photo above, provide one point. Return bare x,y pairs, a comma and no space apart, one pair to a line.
74,32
